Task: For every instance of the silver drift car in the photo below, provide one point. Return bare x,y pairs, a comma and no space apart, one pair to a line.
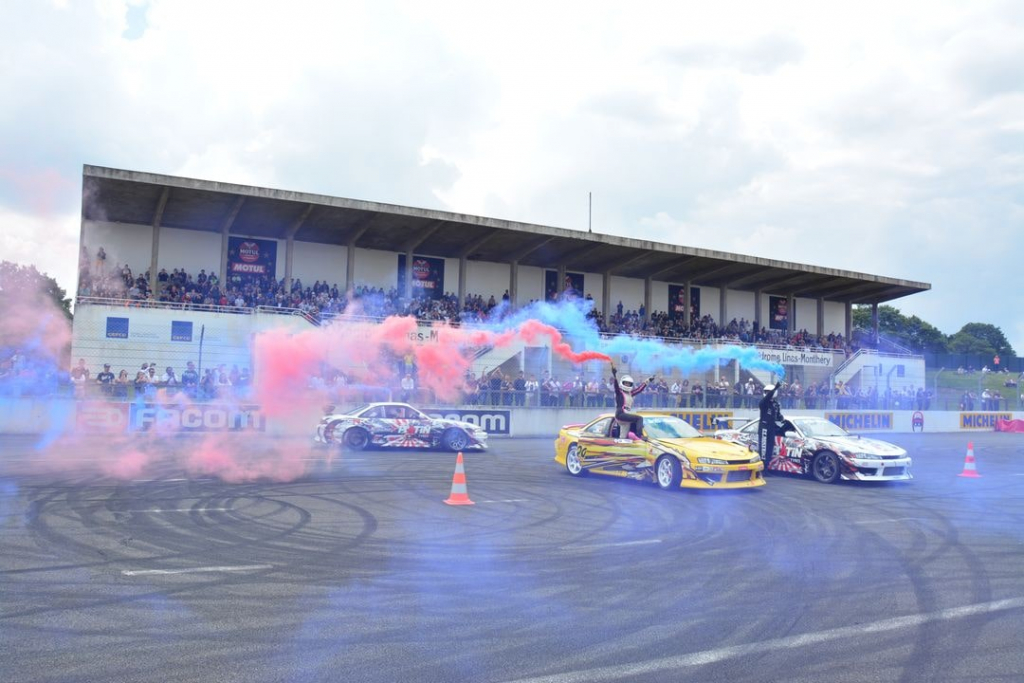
397,425
816,447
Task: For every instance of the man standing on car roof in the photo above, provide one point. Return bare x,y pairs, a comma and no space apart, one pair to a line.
770,425
624,393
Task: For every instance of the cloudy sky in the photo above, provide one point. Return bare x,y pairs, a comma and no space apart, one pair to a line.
879,137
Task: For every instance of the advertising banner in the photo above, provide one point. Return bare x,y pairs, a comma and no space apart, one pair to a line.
491,421
862,421
250,258
987,421
778,313
117,328
427,277
818,359
101,417
704,420
677,302
181,330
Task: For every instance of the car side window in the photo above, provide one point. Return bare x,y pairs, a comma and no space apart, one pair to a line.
750,428
599,428
375,412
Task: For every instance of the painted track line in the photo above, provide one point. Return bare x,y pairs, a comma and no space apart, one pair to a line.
624,544
695,659
194,570
510,500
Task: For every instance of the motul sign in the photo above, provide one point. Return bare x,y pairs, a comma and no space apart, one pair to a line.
420,269
249,252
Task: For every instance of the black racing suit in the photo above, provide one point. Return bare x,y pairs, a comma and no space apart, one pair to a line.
624,406
770,425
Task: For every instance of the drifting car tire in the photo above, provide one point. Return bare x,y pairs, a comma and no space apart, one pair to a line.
330,435
668,473
455,440
356,438
825,467
573,465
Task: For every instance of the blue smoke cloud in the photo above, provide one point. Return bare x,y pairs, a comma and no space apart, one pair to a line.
647,354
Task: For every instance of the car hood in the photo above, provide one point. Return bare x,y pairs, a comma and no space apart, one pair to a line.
855,444
707,447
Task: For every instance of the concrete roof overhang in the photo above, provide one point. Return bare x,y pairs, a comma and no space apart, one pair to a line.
135,197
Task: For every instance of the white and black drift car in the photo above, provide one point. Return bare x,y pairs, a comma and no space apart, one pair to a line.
816,447
397,425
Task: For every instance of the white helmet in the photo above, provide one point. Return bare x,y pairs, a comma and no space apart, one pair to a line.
626,383
769,388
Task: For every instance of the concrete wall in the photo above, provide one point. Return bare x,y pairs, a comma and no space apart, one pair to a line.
188,249
124,243
312,262
36,416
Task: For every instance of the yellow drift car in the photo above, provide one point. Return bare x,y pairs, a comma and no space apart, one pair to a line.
674,455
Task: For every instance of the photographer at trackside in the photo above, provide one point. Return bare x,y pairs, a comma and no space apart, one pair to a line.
624,393
770,425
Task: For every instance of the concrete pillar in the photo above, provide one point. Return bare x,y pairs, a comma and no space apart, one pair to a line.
561,280
606,296
462,282
407,285
849,321
350,267
513,284
289,251
686,309
158,215
723,306
821,316
225,233
874,321
224,237
154,282
757,311
791,318
648,287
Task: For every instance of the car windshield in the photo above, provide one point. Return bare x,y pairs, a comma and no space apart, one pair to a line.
669,427
820,428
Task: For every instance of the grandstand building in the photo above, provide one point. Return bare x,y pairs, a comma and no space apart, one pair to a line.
155,224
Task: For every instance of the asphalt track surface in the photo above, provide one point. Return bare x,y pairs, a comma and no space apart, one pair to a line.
359,572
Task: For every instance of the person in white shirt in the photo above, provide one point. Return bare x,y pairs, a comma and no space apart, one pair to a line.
674,392
408,387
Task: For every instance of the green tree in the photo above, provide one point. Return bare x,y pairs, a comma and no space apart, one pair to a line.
912,332
20,284
982,338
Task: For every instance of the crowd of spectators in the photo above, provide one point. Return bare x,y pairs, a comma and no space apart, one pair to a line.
323,300
148,381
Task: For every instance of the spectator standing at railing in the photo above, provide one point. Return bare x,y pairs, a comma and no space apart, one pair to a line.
79,378
532,390
121,384
106,380
169,379
408,387
190,379
519,386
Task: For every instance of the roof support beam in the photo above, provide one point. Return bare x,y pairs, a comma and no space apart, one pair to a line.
616,265
674,266
583,251
477,243
289,247
158,216
422,236
225,233
529,249
350,252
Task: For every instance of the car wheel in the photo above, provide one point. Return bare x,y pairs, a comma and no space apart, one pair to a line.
669,472
455,440
572,461
331,433
357,438
825,467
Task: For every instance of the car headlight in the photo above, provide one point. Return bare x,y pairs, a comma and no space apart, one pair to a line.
712,461
756,459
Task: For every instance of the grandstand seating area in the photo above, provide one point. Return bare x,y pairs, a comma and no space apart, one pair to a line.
321,300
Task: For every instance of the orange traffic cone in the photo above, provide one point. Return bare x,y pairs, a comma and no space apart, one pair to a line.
459,495
969,470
